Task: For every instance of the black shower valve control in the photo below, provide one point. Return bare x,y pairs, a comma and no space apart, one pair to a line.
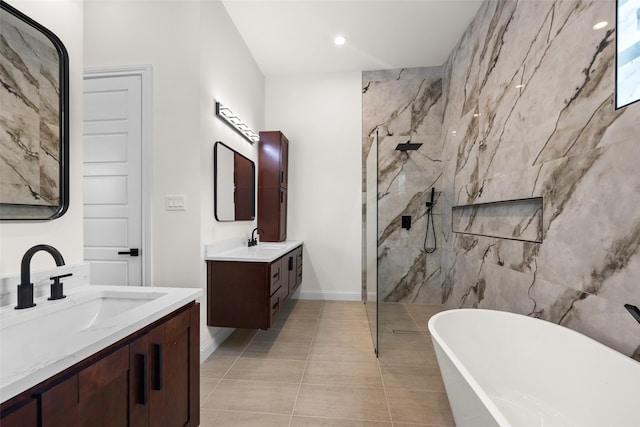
406,222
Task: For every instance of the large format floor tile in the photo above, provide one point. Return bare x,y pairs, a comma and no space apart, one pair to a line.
317,367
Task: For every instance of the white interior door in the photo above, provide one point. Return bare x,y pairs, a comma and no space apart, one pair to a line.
112,179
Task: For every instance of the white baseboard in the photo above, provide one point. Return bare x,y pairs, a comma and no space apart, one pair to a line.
218,338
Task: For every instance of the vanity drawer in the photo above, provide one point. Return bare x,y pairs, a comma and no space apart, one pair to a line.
275,303
276,275
298,266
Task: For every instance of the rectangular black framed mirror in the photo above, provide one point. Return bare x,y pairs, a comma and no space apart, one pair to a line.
34,119
627,52
234,185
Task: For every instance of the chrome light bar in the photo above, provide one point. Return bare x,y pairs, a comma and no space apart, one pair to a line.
234,121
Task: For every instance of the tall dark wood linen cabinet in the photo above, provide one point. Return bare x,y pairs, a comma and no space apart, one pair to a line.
273,160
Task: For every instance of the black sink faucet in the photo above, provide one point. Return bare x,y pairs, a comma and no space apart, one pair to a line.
25,288
253,241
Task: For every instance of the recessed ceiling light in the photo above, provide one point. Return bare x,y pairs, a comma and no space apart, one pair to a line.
339,40
600,25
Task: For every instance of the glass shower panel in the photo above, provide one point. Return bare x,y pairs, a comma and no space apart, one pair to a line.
370,239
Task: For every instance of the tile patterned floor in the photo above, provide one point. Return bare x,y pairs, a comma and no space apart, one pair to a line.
316,367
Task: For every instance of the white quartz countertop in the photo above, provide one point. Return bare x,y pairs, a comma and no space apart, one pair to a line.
263,252
39,342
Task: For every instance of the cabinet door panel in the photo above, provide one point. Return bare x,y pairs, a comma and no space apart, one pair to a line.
101,373
59,404
103,391
139,382
269,159
238,297
284,161
25,416
169,350
273,164
283,215
107,406
291,271
269,213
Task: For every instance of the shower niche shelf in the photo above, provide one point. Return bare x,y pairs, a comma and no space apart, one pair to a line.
519,219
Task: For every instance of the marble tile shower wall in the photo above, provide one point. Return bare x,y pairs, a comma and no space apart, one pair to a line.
559,137
527,111
403,105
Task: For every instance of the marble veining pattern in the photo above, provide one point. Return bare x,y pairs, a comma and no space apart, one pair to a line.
29,118
405,105
557,137
527,111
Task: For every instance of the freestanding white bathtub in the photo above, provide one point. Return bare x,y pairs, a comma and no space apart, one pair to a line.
504,369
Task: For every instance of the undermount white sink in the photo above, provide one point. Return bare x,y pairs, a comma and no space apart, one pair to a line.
64,317
262,252
38,342
269,247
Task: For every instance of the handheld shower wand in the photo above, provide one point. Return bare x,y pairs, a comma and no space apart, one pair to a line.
433,228
430,204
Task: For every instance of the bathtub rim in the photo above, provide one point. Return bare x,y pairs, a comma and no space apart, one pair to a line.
478,390
482,395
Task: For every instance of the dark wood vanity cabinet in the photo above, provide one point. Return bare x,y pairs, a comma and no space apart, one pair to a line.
24,414
251,294
160,394
148,379
273,164
96,396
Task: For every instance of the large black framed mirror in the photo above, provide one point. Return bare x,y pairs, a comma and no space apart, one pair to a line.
234,185
34,119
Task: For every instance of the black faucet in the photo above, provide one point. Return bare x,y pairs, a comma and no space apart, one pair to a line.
25,288
253,241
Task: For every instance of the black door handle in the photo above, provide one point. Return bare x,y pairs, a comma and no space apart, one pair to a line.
131,252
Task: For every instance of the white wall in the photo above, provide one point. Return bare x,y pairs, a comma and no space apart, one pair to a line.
131,33
228,74
64,233
321,115
197,57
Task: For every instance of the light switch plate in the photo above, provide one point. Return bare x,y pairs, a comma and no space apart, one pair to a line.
175,203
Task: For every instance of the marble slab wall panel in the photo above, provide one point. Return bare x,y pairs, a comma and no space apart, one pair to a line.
405,105
528,112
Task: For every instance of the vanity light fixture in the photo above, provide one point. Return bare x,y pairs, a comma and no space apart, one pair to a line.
519,86
234,121
339,40
600,25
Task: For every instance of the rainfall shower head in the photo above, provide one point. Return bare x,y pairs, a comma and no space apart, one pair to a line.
408,146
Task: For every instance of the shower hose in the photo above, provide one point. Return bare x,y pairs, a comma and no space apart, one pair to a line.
433,231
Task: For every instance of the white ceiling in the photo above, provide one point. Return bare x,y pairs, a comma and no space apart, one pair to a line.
289,37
